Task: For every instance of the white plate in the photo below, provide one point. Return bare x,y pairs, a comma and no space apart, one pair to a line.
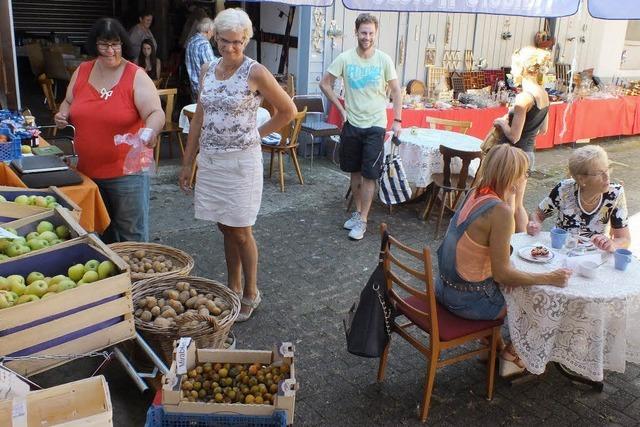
525,253
586,243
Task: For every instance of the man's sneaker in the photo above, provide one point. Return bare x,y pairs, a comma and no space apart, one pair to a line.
357,232
351,222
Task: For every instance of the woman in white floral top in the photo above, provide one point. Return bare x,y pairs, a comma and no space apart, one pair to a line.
588,202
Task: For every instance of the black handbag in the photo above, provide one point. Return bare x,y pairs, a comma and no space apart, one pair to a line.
368,323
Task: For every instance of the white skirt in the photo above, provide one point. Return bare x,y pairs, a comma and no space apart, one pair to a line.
229,187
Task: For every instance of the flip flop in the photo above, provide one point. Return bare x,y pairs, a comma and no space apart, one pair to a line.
252,304
511,364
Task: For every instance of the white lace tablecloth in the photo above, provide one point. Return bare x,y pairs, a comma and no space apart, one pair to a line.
421,156
183,121
589,326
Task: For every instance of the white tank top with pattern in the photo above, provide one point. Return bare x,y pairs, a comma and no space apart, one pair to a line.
230,110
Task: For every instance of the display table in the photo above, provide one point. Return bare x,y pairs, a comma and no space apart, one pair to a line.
588,326
420,153
94,215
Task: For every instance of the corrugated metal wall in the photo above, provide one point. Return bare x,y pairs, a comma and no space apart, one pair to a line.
72,18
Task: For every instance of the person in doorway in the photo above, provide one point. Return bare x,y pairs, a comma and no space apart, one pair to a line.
366,72
111,96
529,115
225,130
148,61
140,32
198,52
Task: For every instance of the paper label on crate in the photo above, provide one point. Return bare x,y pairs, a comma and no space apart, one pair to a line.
19,412
181,355
11,385
4,234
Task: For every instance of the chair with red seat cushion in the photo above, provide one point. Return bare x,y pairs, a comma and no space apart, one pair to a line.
445,329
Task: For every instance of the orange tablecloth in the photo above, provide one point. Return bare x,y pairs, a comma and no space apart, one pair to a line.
585,119
94,215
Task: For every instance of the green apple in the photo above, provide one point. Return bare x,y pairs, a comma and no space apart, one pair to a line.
47,279
44,226
38,288
32,235
64,285
57,279
4,284
76,272
52,205
63,231
3,257
14,250
90,276
40,201
37,244
32,199
23,299
4,244
81,283
15,278
92,264
22,199
48,235
47,295
55,242
18,287
33,276
106,269
7,299
2,198
50,199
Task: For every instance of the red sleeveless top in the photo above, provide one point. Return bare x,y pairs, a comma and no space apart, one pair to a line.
97,120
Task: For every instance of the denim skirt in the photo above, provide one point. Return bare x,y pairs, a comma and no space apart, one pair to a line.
476,305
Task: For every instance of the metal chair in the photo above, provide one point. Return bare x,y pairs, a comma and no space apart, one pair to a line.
420,309
315,129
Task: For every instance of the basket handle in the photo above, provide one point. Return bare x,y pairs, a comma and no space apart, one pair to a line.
199,317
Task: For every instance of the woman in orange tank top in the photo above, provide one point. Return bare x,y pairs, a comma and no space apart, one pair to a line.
111,96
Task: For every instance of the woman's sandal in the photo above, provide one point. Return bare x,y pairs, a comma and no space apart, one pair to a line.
252,304
510,363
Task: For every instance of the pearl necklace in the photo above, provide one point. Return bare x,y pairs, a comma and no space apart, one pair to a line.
597,197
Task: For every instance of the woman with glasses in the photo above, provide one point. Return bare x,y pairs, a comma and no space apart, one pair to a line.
111,96
588,202
225,132
474,257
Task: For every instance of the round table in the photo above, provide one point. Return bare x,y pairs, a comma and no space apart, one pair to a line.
588,326
421,156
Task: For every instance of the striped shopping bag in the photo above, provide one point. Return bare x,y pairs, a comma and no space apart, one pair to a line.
393,184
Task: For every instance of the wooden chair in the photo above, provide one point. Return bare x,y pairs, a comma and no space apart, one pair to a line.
452,185
459,126
54,66
416,87
288,145
420,308
170,128
46,84
36,58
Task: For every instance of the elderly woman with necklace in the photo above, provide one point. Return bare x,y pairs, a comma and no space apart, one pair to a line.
224,129
111,96
588,203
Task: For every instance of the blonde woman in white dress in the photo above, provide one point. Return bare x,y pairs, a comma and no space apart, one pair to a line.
229,182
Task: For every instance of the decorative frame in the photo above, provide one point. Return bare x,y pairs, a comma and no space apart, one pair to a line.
317,36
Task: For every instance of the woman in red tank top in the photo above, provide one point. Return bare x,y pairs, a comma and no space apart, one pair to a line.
106,97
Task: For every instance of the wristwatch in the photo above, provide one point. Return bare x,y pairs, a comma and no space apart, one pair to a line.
397,120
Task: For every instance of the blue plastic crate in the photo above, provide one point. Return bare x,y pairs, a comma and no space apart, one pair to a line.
9,150
157,417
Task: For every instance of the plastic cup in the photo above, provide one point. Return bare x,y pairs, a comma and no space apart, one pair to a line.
622,258
558,237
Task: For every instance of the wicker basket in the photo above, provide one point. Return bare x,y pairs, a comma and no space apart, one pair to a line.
209,332
180,259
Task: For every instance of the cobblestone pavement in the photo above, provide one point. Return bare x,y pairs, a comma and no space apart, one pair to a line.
310,273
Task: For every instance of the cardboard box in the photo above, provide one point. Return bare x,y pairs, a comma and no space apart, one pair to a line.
10,193
83,403
76,321
186,356
10,211
57,216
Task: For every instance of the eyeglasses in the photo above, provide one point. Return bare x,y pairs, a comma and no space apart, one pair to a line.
602,174
105,46
234,43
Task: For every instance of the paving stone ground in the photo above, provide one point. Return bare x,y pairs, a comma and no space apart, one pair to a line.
310,273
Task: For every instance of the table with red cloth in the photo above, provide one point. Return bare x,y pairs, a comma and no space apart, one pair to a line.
585,119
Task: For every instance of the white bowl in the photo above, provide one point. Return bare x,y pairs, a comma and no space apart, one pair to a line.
588,269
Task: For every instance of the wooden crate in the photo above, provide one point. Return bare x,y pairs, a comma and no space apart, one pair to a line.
79,320
83,403
56,216
10,211
10,193
473,80
188,356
